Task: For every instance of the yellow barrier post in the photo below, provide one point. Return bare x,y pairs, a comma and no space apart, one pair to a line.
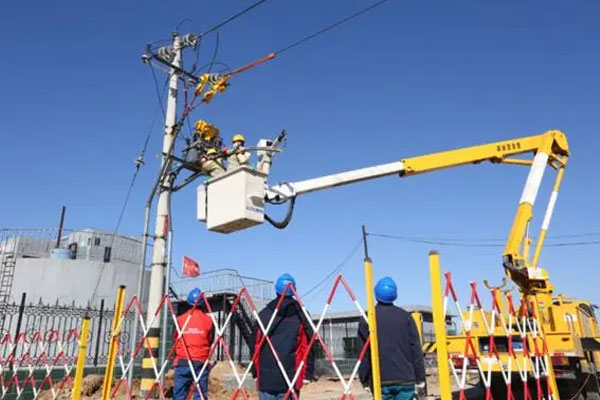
114,340
83,341
372,321
418,318
439,325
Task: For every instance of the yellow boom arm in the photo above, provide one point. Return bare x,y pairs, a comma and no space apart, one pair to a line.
550,148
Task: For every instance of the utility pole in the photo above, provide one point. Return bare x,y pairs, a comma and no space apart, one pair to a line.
162,224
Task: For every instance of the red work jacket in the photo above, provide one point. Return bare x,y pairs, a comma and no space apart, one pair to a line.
197,336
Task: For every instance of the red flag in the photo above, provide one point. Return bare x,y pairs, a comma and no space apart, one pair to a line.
190,267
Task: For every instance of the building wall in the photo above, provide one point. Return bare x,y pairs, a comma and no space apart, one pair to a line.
91,245
72,281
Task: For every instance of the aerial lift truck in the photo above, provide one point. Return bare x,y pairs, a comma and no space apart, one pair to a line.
237,200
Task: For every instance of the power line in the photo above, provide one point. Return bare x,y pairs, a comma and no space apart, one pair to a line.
114,234
214,56
499,238
274,54
330,27
575,235
158,93
183,21
583,243
233,17
140,159
139,163
434,241
335,270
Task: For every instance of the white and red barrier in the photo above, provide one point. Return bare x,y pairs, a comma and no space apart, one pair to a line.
29,361
527,358
125,359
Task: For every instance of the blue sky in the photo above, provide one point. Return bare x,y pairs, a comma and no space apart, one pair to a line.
409,78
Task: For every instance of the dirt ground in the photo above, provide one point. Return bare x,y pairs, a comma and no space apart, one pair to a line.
91,389
323,389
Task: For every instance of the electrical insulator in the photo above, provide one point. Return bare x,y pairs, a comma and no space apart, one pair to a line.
206,79
208,96
189,40
218,84
147,54
221,84
140,161
166,53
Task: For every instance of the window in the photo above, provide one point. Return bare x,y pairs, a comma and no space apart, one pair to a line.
351,347
96,241
107,254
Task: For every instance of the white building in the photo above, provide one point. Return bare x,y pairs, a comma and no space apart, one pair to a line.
89,266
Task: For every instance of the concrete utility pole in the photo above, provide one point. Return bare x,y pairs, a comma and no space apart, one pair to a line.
161,229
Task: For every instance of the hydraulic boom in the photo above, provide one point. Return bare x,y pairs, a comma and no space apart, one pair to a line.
550,148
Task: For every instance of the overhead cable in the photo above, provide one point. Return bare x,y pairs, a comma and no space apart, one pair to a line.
231,18
450,243
330,27
271,55
338,268
158,93
139,163
140,159
290,46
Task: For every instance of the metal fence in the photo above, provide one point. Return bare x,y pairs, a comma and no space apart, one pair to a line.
225,280
18,319
86,244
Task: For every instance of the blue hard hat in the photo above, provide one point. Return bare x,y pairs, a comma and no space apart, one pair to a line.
193,296
386,290
282,282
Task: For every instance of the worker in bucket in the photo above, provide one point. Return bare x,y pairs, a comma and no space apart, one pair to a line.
212,163
400,355
289,333
192,350
238,156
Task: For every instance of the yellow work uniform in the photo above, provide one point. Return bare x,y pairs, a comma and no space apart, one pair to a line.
238,158
212,167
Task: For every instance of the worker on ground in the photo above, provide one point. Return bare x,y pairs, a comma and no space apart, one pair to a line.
212,163
400,354
192,348
290,333
238,156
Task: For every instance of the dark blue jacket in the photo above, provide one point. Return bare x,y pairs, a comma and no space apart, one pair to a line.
290,334
400,353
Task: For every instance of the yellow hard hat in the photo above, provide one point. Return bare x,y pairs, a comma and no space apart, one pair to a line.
200,126
238,138
211,151
206,130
